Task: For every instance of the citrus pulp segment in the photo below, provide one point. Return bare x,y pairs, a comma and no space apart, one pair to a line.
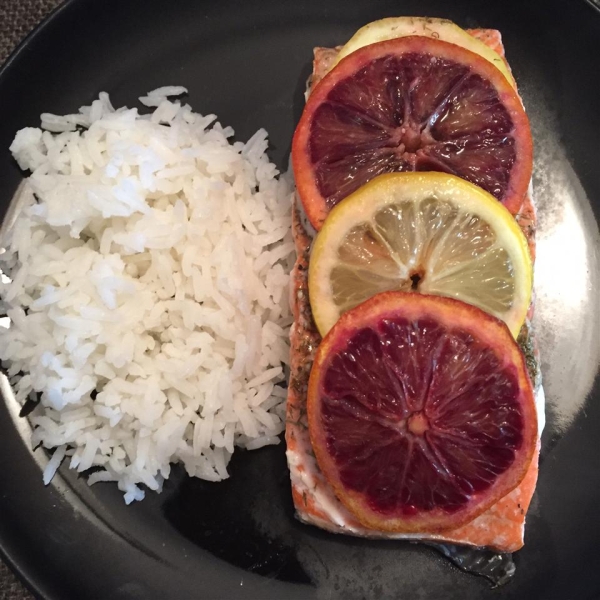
430,233
411,104
421,413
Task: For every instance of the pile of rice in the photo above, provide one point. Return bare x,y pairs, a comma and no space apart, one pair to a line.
149,265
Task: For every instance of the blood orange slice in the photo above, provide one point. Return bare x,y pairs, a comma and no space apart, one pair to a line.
411,104
421,413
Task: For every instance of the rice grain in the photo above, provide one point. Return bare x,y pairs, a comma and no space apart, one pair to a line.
146,279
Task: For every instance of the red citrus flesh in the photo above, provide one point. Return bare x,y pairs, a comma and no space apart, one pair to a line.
411,104
421,412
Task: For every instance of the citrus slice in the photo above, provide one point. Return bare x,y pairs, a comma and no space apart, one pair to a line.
421,413
411,104
423,232
439,29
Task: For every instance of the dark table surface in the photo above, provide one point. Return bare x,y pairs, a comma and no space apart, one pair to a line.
17,19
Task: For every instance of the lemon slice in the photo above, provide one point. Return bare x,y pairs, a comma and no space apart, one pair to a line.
430,233
441,29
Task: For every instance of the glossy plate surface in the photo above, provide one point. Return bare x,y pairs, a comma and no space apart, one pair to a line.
247,61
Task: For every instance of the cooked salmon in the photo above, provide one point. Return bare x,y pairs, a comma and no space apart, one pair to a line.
501,527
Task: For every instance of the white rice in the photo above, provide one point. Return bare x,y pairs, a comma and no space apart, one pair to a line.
148,267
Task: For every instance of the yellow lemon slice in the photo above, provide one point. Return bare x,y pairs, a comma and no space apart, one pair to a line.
441,29
429,233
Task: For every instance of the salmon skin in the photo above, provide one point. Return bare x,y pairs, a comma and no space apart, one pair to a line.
501,527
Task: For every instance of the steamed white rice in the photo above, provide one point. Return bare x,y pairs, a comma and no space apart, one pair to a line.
148,296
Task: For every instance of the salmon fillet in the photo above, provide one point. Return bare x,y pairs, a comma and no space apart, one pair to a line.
501,527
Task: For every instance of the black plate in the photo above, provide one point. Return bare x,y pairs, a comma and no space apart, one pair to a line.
247,61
